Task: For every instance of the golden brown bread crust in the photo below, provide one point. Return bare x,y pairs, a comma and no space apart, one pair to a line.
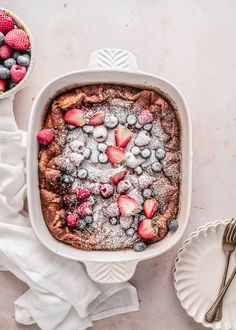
56,197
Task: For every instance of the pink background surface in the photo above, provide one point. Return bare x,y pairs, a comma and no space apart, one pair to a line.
191,43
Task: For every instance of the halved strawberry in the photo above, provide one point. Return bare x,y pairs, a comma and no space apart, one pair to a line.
122,136
145,229
126,204
116,178
75,117
149,207
97,118
115,154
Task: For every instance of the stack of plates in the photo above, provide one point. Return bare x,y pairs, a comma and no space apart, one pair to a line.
198,272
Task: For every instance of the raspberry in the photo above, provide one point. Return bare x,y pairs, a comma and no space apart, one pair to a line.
45,136
106,190
17,39
123,186
145,117
17,73
112,210
145,181
94,188
5,52
85,209
82,193
71,220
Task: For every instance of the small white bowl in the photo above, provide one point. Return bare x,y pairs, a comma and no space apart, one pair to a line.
6,98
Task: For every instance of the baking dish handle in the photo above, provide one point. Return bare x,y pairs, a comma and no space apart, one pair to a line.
113,59
111,272
8,122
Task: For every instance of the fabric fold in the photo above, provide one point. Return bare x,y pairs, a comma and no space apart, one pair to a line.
61,296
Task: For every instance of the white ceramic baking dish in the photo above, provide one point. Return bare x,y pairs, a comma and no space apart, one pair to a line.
118,67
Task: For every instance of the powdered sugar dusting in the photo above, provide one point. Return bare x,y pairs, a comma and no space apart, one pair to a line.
163,185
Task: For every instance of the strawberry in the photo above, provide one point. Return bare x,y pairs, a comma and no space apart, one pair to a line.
97,118
145,117
17,73
115,154
71,220
145,229
17,39
6,22
2,85
45,136
5,52
116,178
149,207
122,136
82,193
126,204
75,117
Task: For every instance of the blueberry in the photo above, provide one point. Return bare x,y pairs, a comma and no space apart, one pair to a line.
147,127
138,125
139,246
70,127
88,220
134,225
65,178
131,119
113,221
102,158
1,38
67,166
87,153
139,217
82,173
160,153
111,121
11,84
147,193
122,117
102,147
135,150
23,60
81,224
138,170
26,55
4,73
15,55
156,167
173,225
88,129
9,62
130,231
145,153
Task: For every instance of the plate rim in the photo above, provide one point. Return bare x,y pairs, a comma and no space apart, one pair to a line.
192,235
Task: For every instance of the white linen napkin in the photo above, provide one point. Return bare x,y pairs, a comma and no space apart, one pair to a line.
61,296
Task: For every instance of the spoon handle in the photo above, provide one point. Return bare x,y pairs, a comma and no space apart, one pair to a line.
212,311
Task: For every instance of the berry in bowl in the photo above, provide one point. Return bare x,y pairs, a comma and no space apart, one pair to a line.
15,51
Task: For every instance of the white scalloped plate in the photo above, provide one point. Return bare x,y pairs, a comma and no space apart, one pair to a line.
197,275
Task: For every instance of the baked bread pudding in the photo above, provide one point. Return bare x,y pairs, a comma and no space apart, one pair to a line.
109,167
